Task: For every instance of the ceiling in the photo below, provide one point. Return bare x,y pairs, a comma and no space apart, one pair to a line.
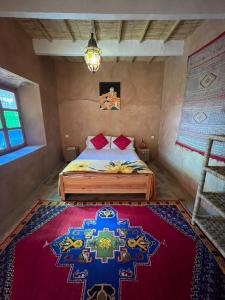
114,9
141,31
108,30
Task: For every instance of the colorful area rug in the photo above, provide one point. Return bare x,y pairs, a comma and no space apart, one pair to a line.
60,251
203,111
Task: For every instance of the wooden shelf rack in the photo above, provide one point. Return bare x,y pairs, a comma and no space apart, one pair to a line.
212,226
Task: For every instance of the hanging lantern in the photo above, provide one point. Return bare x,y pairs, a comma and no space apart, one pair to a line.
92,55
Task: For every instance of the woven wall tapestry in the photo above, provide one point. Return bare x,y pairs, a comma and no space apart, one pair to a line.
203,111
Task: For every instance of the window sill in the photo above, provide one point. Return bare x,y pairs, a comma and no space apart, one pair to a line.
9,157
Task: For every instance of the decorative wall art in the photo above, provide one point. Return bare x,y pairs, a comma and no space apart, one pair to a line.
109,95
203,111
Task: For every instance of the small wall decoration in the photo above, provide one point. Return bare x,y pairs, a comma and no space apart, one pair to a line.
109,95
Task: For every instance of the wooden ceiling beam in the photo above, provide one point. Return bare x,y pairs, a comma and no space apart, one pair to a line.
172,30
147,26
151,59
44,30
126,48
114,9
69,28
120,34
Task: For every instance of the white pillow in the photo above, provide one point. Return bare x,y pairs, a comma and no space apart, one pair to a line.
130,146
89,144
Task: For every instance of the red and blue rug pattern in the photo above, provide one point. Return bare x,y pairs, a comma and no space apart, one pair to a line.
61,251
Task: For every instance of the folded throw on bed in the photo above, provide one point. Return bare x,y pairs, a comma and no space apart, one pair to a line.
107,166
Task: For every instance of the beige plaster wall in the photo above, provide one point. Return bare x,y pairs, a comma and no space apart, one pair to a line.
184,164
20,177
31,114
141,91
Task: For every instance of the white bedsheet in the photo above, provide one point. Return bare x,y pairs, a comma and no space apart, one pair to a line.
108,154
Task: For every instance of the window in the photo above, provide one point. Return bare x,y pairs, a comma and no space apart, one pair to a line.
11,131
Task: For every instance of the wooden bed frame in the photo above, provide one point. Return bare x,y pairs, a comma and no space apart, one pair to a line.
97,183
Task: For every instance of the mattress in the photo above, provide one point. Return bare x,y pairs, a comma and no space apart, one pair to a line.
108,154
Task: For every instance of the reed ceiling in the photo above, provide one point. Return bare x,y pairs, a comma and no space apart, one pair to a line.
110,30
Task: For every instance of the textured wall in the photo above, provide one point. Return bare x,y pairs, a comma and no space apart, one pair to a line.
20,177
185,165
80,116
31,114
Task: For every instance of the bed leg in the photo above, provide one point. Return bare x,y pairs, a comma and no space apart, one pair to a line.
63,197
148,188
61,188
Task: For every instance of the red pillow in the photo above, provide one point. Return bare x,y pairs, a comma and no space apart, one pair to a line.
122,142
99,141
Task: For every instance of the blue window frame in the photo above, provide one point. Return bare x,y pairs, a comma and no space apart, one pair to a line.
11,130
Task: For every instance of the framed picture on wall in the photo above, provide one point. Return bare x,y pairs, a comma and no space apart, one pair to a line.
109,95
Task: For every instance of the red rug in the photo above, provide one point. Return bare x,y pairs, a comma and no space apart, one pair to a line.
108,252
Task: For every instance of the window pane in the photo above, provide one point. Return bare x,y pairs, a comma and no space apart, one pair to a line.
7,99
2,141
12,119
15,137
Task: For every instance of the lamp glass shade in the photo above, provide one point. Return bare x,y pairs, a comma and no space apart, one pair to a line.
92,58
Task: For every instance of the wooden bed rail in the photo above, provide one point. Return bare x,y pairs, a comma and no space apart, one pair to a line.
97,183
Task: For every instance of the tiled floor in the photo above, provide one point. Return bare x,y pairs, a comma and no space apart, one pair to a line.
167,189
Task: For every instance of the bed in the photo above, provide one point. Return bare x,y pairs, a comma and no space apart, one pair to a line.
107,171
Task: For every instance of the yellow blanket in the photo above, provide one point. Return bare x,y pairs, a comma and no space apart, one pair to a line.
107,166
